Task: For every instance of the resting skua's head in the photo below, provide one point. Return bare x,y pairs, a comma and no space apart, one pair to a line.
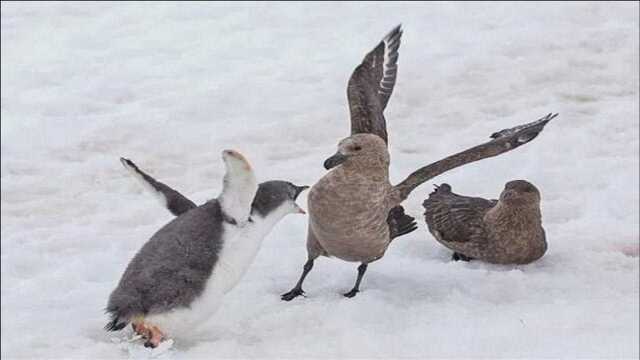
520,192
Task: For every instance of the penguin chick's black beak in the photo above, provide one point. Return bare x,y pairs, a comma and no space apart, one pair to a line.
334,161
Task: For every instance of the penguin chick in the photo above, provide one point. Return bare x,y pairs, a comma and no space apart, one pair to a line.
178,278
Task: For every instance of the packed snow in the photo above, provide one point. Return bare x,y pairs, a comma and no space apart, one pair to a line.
170,85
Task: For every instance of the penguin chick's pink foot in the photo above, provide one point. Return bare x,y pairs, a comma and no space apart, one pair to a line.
151,333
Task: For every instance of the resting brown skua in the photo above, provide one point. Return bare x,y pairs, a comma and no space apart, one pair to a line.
504,231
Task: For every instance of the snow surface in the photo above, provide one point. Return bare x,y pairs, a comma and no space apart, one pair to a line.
171,85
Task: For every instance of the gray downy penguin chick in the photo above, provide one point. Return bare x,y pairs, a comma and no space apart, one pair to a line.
178,278
504,231
354,211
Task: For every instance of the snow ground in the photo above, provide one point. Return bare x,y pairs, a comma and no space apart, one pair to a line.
171,85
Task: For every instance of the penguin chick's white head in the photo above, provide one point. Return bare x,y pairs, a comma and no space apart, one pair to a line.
277,198
239,187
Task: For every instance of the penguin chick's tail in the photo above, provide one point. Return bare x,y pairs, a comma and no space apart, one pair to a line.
400,223
117,323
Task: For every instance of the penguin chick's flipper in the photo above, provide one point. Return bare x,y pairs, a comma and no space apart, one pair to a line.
175,202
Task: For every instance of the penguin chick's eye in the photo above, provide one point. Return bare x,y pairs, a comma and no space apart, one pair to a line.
357,148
